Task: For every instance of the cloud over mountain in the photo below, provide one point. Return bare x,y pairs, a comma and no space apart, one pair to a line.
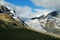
25,11
47,3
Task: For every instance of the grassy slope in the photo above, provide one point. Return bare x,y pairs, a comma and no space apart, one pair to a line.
18,34
22,34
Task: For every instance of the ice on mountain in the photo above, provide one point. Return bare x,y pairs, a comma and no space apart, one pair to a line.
34,24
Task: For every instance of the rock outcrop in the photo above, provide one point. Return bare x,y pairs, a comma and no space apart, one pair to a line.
7,21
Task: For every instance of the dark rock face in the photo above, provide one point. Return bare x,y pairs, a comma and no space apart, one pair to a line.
3,9
54,13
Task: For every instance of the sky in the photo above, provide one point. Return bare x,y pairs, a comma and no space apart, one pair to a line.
24,3
40,4
32,8
28,8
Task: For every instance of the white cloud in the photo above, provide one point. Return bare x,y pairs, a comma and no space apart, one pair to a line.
47,3
25,11
41,12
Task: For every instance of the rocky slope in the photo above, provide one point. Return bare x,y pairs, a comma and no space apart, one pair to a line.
7,21
8,18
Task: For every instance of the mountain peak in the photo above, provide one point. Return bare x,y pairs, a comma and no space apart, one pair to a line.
8,17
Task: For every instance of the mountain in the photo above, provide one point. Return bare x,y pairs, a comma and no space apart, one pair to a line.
38,23
9,20
7,9
10,24
46,23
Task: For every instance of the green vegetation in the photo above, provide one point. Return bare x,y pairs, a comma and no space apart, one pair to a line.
9,31
23,34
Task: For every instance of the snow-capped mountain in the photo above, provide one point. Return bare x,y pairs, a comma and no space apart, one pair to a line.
49,22
40,22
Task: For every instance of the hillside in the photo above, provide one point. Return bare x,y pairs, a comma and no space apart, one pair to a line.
23,34
15,29
7,21
11,29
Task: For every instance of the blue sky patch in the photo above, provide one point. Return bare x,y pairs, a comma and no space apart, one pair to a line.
24,3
